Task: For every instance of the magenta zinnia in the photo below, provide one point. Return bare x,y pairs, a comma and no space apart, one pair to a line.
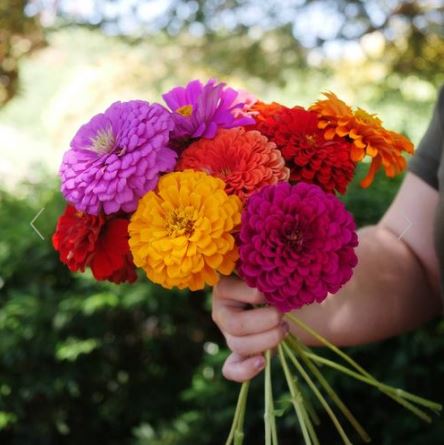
199,110
296,244
117,157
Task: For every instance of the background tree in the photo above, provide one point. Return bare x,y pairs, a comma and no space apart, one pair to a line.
269,38
19,35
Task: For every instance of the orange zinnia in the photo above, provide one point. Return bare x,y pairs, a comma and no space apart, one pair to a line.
367,135
263,111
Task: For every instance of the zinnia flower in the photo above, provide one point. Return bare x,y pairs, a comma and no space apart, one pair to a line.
265,115
367,134
310,157
247,101
97,242
181,235
244,160
117,157
199,110
296,244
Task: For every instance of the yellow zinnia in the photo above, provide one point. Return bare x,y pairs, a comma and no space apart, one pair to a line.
180,233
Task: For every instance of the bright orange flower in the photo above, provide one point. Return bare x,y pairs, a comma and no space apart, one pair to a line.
366,132
263,111
244,160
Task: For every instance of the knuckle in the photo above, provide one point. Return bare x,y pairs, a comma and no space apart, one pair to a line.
233,344
229,341
233,326
225,321
215,315
226,372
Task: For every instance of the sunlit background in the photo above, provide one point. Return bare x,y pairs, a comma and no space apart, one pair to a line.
65,60
86,362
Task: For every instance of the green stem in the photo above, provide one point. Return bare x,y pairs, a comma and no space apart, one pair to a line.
299,348
296,397
269,417
238,415
394,393
267,413
384,388
329,345
317,393
239,432
310,427
310,410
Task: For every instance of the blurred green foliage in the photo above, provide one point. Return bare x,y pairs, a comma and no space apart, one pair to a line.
89,362
80,360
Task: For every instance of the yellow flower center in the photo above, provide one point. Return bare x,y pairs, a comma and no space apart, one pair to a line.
185,110
180,223
103,141
367,118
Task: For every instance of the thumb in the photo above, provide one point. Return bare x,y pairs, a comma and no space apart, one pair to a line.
240,369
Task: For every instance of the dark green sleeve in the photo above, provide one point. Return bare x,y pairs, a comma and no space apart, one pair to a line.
425,162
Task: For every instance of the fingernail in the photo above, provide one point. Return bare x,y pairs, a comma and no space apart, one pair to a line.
259,363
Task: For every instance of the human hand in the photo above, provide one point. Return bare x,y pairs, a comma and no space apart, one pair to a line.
248,331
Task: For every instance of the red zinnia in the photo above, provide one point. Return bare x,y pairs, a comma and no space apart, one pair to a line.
84,240
310,157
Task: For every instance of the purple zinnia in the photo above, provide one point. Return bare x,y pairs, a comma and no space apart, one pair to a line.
117,157
296,244
199,110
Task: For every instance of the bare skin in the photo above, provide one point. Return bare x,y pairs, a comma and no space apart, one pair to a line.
394,289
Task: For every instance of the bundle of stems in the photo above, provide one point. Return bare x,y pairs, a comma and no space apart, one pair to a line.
292,353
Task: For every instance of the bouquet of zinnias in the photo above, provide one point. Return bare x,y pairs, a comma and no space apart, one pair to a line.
217,183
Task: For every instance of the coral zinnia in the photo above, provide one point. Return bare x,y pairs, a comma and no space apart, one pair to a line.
366,132
244,160
181,235
199,110
296,244
97,242
117,157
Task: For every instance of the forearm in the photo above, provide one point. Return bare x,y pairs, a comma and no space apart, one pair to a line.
388,294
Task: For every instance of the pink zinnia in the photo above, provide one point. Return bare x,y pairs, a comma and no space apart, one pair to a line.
296,244
200,110
117,157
